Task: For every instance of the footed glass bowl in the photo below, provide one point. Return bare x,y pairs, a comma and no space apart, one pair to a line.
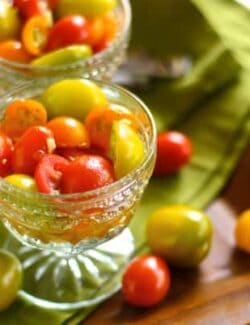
75,244
99,66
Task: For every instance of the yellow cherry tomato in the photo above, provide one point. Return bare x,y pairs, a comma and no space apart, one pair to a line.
180,233
242,231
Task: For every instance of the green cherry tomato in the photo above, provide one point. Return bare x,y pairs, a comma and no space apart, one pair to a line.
67,55
9,21
73,97
179,233
10,278
22,181
86,8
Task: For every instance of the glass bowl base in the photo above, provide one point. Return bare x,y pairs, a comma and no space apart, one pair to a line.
54,280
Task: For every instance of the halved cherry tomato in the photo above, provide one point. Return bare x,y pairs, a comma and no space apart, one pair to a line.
99,124
6,149
173,152
69,132
35,34
30,8
146,281
67,31
48,173
86,173
73,153
30,148
21,115
14,51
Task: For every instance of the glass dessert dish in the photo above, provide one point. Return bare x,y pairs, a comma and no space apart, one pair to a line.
98,66
72,245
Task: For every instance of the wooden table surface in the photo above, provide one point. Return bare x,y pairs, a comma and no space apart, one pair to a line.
218,292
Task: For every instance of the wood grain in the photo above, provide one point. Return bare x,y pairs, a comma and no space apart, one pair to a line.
218,292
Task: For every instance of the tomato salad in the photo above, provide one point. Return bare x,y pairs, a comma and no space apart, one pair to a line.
55,32
55,147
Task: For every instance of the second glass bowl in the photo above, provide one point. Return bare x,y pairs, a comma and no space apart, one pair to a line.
99,66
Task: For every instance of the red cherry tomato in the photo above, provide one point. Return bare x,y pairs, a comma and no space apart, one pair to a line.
146,281
67,31
173,152
48,173
30,8
6,149
30,148
86,173
73,153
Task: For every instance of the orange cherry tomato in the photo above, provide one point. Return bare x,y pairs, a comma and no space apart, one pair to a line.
14,51
69,132
99,124
109,23
96,31
21,115
35,34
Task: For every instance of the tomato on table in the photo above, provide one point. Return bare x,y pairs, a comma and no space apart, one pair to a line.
35,34
48,173
69,132
30,148
6,149
14,51
68,31
10,278
30,8
173,152
86,173
22,114
146,281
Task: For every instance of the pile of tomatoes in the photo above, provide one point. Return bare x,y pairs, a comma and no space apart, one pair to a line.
66,149
30,29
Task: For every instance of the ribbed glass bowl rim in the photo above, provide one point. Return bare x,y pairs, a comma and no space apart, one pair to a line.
88,62
101,193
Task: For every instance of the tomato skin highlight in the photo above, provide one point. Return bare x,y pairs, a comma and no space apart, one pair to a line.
68,31
30,148
146,281
6,149
174,150
48,173
69,132
13,50
21,115
86,173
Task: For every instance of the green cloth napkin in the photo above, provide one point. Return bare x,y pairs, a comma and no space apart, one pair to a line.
210,104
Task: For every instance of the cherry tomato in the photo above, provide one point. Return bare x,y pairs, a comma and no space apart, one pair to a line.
86,173
99,124
48,173
173,152
22,181
22,114
35,34
146,281
10,278
30,8
180,233
30,148
96,31
67,31
69,132
73,153
109,22
242,231
9,21
14,51
6,149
